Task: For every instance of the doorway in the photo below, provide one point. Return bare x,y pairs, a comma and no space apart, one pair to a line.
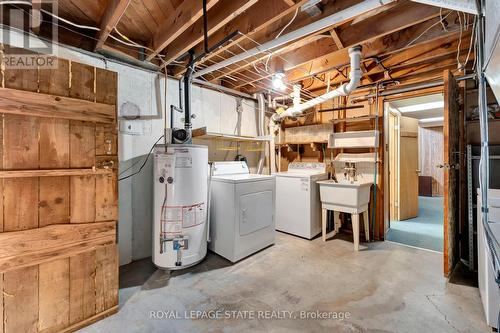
415,171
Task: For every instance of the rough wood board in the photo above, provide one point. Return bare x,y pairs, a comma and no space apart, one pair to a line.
54,172
18,102
20,142
106,83
22,79
35,246
106,197
106,139
82,82
451,182
21,300
82,286
106,277
54,299
307,134
20,204
53,200
54,143
83,199
82,144
55,81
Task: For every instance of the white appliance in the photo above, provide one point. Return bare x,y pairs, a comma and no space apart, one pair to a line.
241,211
298,207
488,288
180,205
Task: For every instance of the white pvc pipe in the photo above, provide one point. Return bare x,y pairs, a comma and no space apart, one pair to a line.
260,128
343,90
316,26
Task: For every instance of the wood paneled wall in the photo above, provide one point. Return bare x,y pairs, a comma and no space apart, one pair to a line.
430,151
59,197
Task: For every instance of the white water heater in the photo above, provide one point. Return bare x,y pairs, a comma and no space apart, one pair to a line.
180,205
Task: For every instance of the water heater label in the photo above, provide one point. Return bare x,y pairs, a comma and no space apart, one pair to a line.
194,215
171,221
183,158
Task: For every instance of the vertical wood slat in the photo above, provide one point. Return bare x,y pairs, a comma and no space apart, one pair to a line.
106,197
82,287
21,300
82,144
106,277
83,195
54,293
82,84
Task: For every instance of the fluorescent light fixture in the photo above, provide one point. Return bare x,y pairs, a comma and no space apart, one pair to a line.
278,83
431,120
422,107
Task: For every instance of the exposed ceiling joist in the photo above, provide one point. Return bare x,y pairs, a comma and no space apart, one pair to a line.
220,15
185,15
112,15
336,38
466,6
257,18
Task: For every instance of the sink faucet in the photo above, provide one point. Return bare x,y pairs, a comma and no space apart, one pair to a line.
350,171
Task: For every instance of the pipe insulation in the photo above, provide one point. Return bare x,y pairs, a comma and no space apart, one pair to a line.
343,90
334,19
260,128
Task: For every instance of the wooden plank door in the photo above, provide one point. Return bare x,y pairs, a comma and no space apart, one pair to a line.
408,168
58,197
451,172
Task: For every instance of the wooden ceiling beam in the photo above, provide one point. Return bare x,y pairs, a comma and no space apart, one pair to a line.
363,32
221,14
310,61
336,38
113,13
188,12
383,45
257,18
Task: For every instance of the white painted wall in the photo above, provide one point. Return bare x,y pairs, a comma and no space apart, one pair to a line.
213,109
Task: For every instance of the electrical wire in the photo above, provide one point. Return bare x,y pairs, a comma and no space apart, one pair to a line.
281,31
143,164
441,20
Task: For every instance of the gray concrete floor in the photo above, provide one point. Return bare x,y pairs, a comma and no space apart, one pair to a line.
385,287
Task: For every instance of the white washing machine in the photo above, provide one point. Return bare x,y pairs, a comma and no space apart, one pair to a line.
488,288
298,207
241,211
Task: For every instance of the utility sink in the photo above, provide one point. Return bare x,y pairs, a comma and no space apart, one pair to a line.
353,196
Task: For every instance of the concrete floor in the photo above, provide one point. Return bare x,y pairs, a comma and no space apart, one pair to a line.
384,288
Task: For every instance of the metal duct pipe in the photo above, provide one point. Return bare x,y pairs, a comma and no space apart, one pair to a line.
260,128
343,90
336,18
188,79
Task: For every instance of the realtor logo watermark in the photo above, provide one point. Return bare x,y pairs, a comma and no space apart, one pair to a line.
23,49
250,314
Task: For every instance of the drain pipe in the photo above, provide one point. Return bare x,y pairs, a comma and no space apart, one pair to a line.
260,128
343,90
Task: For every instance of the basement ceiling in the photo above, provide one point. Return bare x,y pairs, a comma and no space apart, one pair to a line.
403,41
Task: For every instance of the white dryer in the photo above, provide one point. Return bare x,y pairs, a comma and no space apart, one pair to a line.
488,288
241,211
298,206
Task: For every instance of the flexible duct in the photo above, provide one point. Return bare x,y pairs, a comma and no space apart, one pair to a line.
260,128
343,90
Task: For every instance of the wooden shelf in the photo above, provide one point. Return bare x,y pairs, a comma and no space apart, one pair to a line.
52,173
201,133
353,120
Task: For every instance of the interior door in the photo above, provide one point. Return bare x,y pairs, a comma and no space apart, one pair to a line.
408,168
451,172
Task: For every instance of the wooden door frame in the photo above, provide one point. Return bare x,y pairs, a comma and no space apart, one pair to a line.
384,102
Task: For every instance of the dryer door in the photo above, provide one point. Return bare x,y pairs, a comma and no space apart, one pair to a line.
256,211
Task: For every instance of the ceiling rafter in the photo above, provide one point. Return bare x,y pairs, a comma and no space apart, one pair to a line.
113,13
221,14
185,15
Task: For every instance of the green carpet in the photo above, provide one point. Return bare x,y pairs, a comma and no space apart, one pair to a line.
424,231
